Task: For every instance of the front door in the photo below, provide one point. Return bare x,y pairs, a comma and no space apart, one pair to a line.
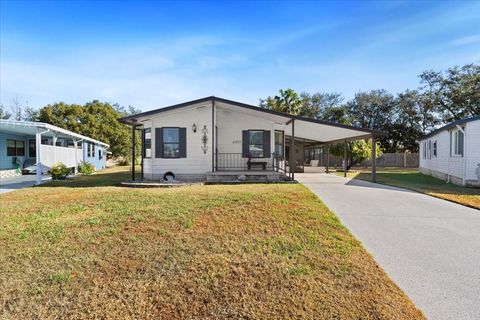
32,148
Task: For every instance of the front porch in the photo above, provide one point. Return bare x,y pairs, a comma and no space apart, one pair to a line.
245,176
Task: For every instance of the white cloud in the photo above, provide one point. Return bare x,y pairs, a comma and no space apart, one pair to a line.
466,40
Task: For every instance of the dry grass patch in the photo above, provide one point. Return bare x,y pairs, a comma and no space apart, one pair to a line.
201,252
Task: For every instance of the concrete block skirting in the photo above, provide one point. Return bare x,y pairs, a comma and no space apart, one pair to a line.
179,177
7,173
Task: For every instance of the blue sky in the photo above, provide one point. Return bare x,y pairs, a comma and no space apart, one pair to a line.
152,54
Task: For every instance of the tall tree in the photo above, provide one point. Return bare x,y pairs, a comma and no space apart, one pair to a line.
94,119
454,94
373,110
287,101
316,105
4,114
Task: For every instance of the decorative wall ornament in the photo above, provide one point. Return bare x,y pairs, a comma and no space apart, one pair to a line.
204,139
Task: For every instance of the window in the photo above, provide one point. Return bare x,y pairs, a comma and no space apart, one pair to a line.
90,150
255,145
457,137
100,156
279,143
435,148
425,150
429,149
147,143
93,149
15,148
32,148
20,148
171,142
11,150
47,141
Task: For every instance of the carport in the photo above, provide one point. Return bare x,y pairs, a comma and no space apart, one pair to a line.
312,132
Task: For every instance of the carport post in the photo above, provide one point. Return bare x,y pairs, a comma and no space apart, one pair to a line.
374,159
133,150
38,142
75,143
345,165
292,151
327,169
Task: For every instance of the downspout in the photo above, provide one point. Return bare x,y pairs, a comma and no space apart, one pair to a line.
464,179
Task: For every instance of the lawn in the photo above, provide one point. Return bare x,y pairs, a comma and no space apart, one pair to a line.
413,180
89,248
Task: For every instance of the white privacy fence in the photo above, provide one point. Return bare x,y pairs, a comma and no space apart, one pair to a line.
50,155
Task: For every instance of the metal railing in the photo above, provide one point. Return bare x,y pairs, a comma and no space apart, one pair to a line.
236,162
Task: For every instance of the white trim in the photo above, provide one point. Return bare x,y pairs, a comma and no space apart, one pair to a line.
454,145
49,127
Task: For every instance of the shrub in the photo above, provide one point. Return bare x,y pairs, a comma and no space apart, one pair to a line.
123,162
86,167
59,171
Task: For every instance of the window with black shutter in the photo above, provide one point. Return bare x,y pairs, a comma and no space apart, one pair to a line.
170,142
256,143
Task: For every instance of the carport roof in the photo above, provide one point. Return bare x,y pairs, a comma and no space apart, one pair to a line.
30,128
312,129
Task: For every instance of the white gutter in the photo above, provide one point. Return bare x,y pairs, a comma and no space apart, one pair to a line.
464,178
30,124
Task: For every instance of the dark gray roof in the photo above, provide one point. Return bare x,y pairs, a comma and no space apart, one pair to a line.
129,119
450,126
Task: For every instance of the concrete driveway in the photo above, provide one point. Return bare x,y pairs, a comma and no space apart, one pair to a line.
20,182
428,246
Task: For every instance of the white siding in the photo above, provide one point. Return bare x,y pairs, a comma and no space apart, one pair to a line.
447,164
230,125
196,162
473,148
50,155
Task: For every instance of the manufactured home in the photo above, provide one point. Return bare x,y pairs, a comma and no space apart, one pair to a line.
24,146
452,153
214,138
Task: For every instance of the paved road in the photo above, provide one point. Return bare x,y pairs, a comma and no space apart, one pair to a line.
20,182
429,247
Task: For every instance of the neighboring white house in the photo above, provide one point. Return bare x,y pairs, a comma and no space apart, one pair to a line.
452,153
25,145
214,136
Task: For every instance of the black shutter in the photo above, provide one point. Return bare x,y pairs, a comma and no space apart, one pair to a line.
183,142
158,142
245,143
266,144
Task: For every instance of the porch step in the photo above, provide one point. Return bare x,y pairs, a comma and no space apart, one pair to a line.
257,176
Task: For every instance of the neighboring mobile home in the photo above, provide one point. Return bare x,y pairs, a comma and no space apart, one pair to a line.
24,145
211,137
452,153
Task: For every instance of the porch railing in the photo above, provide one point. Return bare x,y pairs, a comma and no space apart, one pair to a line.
236,162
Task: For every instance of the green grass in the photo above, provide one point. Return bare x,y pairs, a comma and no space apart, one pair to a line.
413,180
89,248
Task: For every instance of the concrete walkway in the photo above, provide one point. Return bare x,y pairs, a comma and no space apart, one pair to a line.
20,182
428,246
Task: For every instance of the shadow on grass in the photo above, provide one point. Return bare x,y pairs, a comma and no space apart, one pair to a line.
428,185
111,177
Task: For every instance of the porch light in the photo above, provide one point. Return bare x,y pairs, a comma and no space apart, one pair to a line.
194,128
